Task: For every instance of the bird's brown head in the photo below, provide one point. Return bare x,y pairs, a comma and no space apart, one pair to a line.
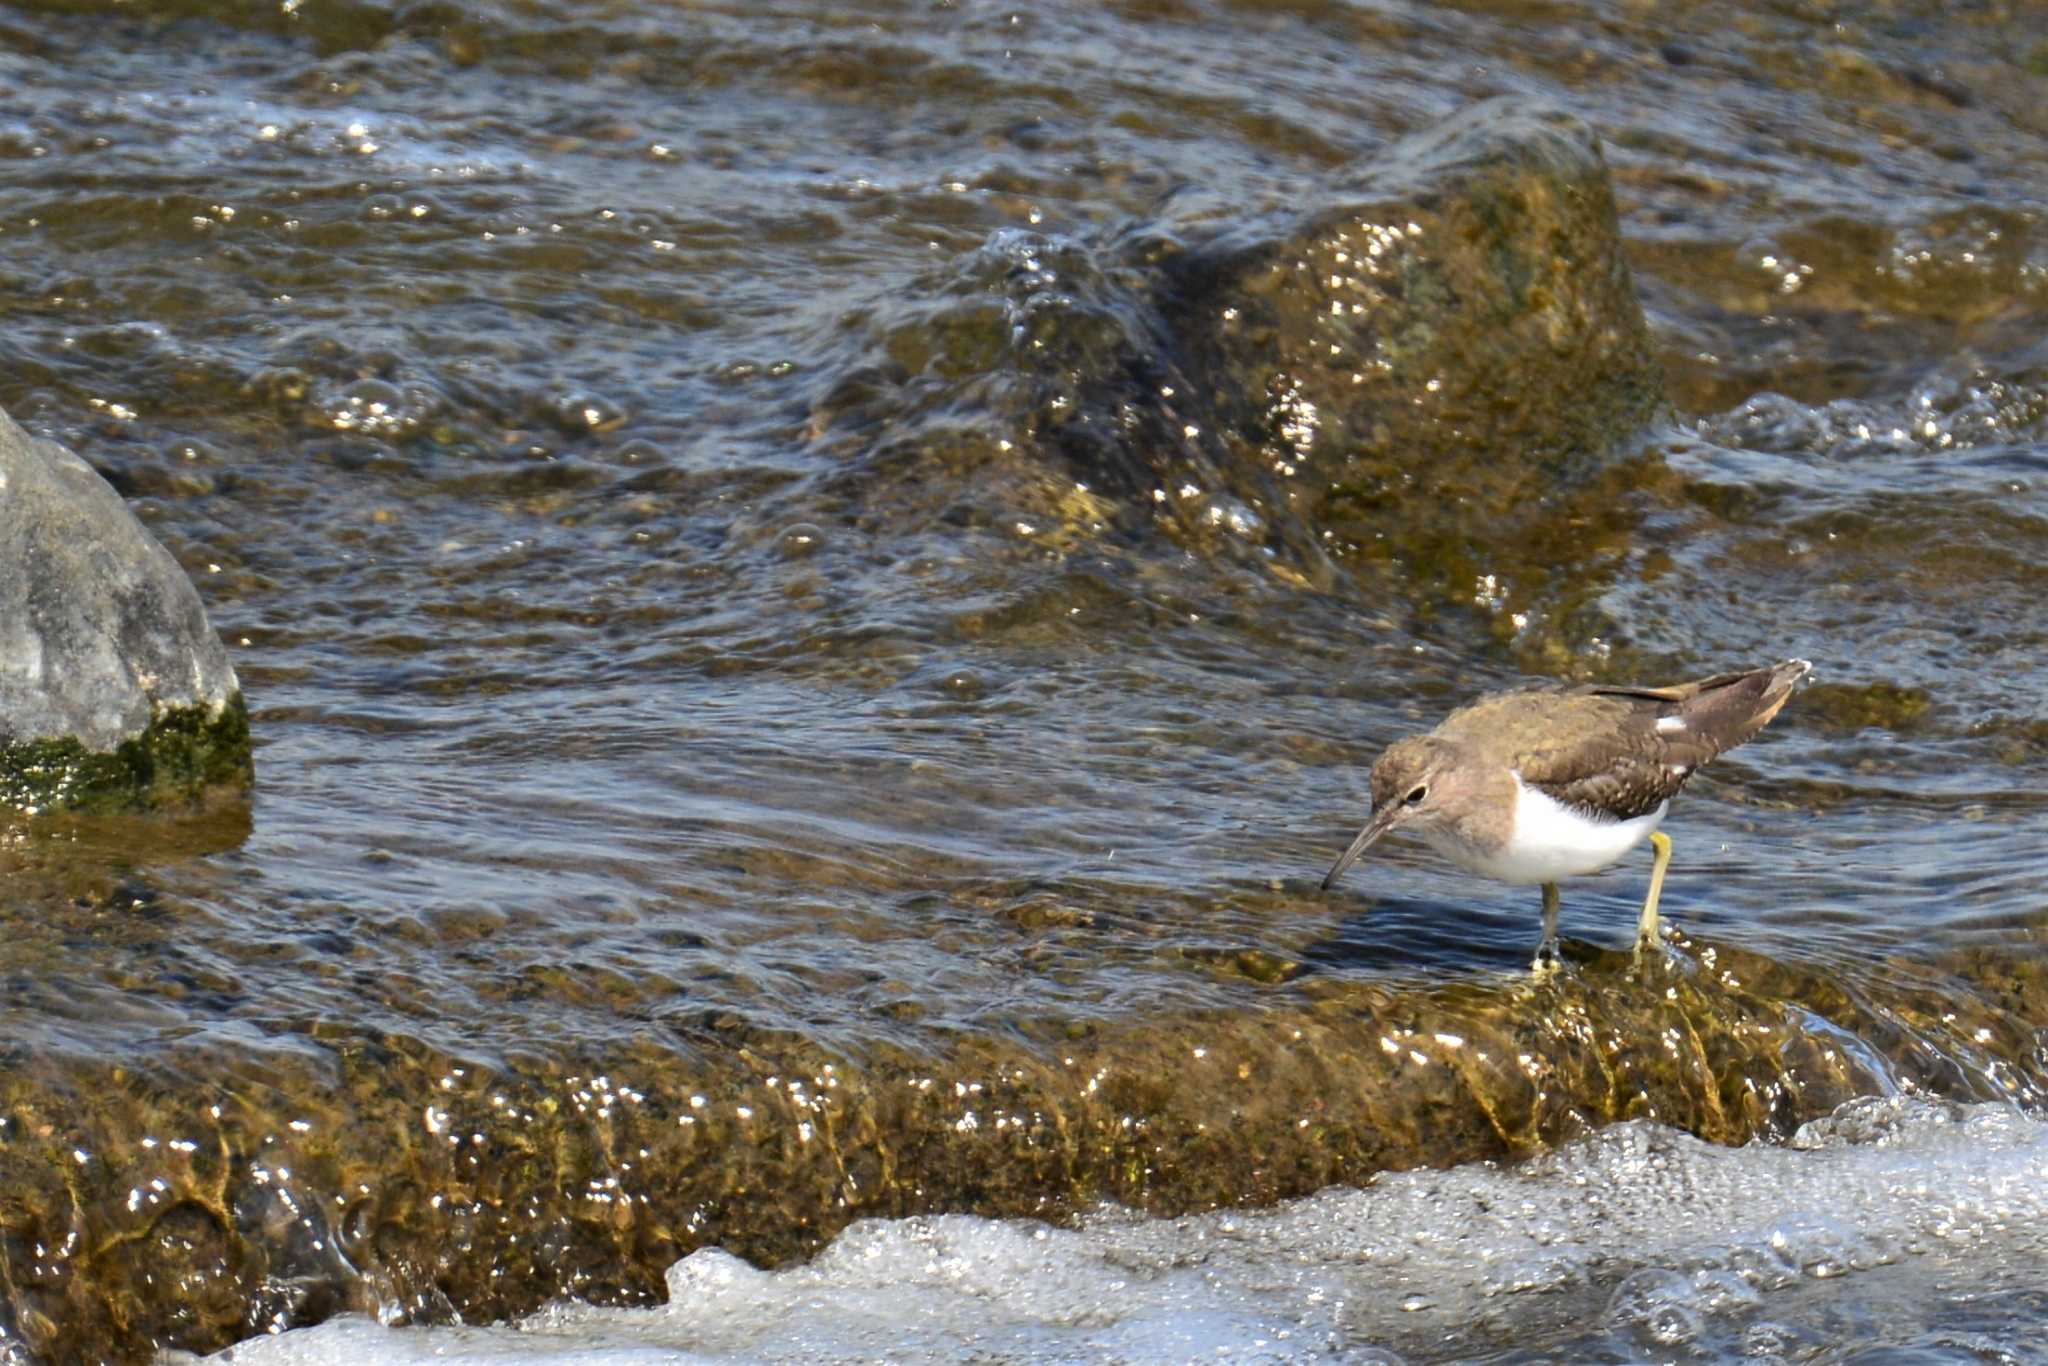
1412,784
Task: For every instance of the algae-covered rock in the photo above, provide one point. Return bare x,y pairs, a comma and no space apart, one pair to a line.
222,1192
113,687
1439,374
1437,362
1460,321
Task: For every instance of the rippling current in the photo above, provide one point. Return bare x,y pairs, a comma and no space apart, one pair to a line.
586,425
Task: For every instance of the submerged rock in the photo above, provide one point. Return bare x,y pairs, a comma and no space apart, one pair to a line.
1460,324
1440,369
114,690
1441,374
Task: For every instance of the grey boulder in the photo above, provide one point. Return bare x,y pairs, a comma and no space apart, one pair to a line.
114,690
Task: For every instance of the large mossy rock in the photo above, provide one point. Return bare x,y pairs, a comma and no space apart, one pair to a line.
114,690
335,1165
1440,365
1460,322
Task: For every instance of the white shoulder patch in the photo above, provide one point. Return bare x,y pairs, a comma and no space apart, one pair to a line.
1670,725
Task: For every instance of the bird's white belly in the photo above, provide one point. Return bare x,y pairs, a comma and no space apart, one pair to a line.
1551,841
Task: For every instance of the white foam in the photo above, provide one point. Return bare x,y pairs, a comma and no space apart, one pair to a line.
1637,1240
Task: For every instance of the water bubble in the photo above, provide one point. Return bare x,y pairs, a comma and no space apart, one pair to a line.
577,413
799,541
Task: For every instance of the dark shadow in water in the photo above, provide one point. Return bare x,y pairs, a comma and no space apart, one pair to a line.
1410,935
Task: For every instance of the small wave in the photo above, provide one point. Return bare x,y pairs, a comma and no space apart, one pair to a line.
1896,1222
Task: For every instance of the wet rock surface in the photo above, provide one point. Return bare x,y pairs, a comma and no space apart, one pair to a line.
113,687
1446,351
332,1169
1461,329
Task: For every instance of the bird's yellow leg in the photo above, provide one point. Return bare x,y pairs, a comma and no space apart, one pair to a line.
1546,952
1646,929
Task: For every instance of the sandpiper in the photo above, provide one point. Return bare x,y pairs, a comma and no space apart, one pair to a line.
1545,783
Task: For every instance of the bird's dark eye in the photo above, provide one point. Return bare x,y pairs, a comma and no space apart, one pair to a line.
1415,798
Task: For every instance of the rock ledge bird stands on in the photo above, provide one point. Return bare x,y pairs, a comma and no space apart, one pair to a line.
1546,783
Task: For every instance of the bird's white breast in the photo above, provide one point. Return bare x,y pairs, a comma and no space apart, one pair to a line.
1551,841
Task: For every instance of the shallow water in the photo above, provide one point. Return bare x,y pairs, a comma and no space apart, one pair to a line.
587,427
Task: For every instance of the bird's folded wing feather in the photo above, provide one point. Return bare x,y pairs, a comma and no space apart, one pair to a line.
1623,783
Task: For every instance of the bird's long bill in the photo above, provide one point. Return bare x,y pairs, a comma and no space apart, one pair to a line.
1382,821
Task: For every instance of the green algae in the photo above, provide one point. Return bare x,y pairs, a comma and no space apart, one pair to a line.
1853,707
1467,328
234,1187
184,755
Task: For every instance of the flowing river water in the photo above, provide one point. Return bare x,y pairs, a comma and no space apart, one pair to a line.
767,843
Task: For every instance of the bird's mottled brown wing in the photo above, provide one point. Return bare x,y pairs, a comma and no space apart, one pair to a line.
1624,751
1627,770
1620,785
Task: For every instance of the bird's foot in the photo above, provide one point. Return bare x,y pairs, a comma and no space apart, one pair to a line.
1548,959
1657,950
